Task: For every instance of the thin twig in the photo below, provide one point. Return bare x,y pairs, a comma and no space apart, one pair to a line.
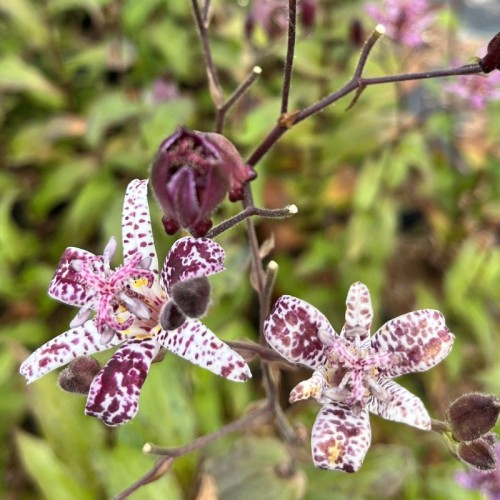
263,351
161,467
290,53
203,441
213,78
268,213
206,10
233,99
439,426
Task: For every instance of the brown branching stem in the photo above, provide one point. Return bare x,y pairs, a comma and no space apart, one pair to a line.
356,84
161,467
263,352
290,53
271,213
213,77
234,98
201,442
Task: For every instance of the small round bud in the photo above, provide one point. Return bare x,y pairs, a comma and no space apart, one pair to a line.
171,317
192,296
478,454
78,375
472,415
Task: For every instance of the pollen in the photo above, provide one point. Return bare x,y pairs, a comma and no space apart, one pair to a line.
334,452
139,283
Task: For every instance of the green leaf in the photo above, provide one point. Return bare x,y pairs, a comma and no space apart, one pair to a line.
52,476
256,468
107,111
26,17
18,76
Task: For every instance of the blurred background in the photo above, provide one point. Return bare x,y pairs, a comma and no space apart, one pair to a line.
401,192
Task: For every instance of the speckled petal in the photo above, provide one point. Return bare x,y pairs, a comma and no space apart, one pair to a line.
66,285
402,406
359,312
81,341
196,343
191,258
136,224
114,393
420,339
298,331
313,387
340,438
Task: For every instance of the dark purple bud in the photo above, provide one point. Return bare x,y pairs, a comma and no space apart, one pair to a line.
78,375
192,173
192,296
307,13
472,415
491,60
356,33
171,317
478,454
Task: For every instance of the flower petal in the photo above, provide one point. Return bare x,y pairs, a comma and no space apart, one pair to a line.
114,393
298,331
420,339
313,387
340,438
401,406
191,258
359,312
66,285
59,351
136,224
196,343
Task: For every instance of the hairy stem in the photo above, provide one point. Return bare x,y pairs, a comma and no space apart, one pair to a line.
290,52
203,441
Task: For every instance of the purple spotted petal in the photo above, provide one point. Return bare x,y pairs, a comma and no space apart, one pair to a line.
340,438
196,343
59,351
298,331
401,406
420,339
114,393
136,224
191,258
66,285
359,312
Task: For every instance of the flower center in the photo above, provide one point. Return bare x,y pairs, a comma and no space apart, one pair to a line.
352,372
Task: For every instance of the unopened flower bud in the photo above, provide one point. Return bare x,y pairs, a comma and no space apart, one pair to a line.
192,173
192,296
478,454
171,317
472,415
78,375
491,60
356,33
307,13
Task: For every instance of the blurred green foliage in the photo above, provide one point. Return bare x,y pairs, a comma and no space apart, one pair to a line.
397,196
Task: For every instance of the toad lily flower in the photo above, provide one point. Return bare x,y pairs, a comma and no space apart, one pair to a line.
130,304
353,372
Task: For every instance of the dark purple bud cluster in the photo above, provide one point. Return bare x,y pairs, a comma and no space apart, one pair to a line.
491,60
189,299
192,173
471,418
78,375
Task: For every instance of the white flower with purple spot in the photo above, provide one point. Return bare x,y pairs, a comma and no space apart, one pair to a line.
353,371
129,304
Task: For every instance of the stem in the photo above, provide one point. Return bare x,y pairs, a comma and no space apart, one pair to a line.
271,213
213,77
356,83
290,52
161,467
262,351
203,441
440,426
206,10
235,97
